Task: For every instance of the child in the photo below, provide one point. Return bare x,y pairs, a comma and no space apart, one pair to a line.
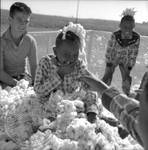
62,70
122,50
131,115
16,46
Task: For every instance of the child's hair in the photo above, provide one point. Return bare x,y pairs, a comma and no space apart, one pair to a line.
128,15
74,33
127,18
69,36
19,7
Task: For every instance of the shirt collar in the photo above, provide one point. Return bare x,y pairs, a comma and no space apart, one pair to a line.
7,35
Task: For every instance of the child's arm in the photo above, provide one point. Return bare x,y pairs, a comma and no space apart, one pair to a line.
124,108
91,97
46,78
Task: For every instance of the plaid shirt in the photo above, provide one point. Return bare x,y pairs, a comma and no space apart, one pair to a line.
125,109
47,80
122,51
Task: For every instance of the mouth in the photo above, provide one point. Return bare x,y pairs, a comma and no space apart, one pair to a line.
67,63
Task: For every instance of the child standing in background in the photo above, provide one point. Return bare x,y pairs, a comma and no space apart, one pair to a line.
62,70
122,50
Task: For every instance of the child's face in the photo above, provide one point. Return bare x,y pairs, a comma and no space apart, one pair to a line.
126,29
67,53
19,22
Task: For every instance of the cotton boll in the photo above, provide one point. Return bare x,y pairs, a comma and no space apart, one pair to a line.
79,105
37,138
69,145
81,115
3,94
83,145
68,106
79,128
101,141
23,84
55,142
64,120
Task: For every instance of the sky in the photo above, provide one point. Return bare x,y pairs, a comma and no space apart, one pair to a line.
97,9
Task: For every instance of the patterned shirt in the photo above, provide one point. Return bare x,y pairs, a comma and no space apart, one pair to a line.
122,51
125,109
47,80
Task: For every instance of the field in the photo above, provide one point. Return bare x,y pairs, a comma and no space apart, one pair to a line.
96,42
44,29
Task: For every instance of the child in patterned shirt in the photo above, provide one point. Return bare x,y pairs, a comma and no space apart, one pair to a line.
122,50
62,70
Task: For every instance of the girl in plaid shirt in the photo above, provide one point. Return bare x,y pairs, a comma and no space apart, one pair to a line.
131,114
122,50
62,70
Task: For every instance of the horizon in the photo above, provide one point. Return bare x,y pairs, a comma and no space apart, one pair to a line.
94,9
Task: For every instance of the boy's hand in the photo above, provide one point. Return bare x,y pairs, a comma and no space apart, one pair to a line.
91,117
